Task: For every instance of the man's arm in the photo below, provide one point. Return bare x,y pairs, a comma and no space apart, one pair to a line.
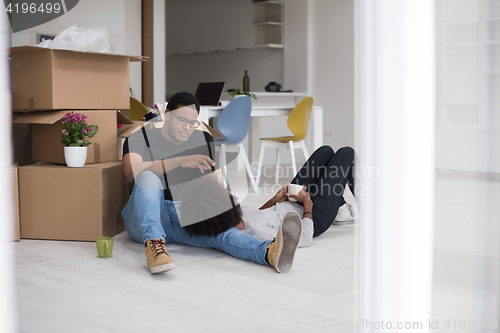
133,164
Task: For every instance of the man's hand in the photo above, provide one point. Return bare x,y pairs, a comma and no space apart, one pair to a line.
280,196
201,162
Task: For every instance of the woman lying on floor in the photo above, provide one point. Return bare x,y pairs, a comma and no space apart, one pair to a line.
324,177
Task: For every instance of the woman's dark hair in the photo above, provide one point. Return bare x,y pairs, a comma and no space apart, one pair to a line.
182,98
208,198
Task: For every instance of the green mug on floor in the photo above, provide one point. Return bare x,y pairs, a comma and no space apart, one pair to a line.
104,246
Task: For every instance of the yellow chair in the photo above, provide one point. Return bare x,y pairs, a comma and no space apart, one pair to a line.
137,109
298,123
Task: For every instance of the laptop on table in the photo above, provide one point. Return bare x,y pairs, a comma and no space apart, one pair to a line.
209,93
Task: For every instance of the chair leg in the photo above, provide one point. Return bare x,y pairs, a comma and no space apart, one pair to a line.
277,175
239,162
261,160
304,149
247,166
223,163
292,156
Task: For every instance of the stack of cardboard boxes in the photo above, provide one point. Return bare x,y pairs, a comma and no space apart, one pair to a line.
55,201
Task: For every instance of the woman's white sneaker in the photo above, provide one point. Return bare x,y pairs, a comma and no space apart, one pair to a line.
347,214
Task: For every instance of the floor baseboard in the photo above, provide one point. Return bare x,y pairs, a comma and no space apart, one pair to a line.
468,175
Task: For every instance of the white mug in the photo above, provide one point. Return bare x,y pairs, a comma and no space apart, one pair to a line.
294,189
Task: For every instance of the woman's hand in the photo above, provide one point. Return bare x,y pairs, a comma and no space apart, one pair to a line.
303,195
280,196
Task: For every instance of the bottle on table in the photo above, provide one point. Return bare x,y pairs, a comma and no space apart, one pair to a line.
246,82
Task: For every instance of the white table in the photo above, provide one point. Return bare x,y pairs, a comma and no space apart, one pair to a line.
314,137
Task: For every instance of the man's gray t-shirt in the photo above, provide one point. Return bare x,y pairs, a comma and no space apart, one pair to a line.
199,142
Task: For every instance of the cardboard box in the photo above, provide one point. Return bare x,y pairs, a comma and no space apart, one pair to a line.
21,141
46,79
123,133
46,135
57,202
213,132
17,233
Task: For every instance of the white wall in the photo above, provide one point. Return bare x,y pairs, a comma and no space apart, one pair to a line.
206,26
466,86
263,65
159,51
318,58
297,54
122,16
333,67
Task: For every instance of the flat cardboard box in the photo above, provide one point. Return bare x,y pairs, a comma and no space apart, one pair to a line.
215,134
47,79
62,203
46,134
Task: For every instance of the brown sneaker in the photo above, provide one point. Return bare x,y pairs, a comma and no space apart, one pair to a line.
281,251
158,258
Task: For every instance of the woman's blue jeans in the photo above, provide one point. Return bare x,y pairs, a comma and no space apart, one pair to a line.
149,216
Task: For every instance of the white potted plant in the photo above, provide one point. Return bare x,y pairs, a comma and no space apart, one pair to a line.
74,135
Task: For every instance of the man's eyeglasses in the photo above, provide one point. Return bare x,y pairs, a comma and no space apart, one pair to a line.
184,121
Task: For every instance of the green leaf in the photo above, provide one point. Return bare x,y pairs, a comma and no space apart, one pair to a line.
93,131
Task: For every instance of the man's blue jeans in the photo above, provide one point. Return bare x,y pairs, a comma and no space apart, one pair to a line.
149,216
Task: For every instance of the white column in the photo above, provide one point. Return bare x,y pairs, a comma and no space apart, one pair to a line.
159,51
395,141
8,305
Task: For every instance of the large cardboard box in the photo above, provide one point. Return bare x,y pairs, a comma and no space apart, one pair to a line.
57,202
46,135
46,79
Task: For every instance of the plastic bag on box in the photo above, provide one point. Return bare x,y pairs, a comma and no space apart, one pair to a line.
77,38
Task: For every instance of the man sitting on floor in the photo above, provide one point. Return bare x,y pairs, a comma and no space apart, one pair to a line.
156,160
